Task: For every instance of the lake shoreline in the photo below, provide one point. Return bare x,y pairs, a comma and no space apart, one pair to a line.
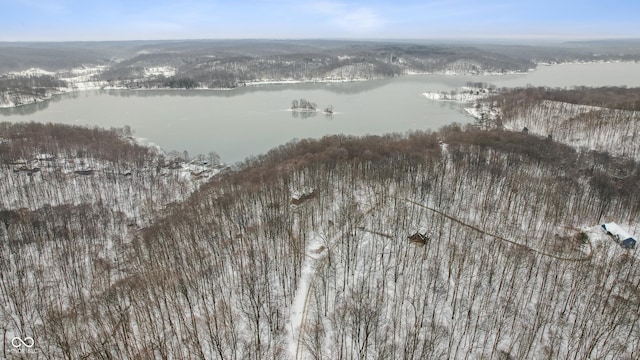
85,85
256,118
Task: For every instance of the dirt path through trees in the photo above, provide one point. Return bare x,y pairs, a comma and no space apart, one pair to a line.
497,237
316,270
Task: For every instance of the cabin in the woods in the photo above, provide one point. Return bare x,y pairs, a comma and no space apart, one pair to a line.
420,237
622,237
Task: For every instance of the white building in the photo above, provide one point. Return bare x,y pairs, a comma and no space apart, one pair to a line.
624,239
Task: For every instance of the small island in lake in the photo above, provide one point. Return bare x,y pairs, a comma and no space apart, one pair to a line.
328,110
303,105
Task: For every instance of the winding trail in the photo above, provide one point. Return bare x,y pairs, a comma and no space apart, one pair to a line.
312,282
497,237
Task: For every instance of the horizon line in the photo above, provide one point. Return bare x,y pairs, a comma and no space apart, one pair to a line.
367,39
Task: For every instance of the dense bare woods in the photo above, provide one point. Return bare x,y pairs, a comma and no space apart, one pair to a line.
512,266
612,97
20,90
221,67
23,140
601,119
30,83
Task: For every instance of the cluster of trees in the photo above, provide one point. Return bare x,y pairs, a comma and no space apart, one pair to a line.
233,71
604,119
572,51
473,60
39,165
303,104
500,275
180,83
611,97
481,85
23,141
26,89
29,83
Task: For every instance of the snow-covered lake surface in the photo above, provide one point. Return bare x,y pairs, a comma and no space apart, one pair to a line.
250,120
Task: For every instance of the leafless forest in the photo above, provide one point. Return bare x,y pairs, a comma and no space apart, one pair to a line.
461,243
604,119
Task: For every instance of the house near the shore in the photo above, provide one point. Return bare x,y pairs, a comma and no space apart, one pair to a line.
622,237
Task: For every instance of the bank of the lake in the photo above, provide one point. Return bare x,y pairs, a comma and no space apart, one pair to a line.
252,119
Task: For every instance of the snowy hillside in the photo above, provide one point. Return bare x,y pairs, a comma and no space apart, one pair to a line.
604,120
456,244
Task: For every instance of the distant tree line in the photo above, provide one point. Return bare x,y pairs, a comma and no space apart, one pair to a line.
181,83
222,70
36,85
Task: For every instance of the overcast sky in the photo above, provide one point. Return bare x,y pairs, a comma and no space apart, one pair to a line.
62,20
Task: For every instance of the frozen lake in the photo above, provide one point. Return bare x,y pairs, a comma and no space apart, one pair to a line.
251,120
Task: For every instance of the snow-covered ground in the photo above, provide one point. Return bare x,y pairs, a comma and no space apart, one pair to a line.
481,111
166,71
26,183
77,79
32,72
465,94
315,252
243,270
581,126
